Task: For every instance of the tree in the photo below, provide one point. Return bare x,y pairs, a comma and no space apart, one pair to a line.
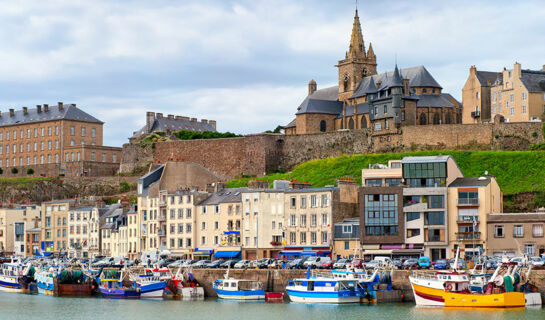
14,170
30,171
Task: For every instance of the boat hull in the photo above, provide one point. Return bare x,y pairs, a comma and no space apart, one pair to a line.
152,290
120,293
240,295
340,297
426,296
501,300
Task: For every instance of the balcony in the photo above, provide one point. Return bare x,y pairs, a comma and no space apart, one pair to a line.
162,218
415,207
161,233
467,219
468,236
468,202
475,114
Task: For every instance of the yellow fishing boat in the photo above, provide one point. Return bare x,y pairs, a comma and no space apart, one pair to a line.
480,300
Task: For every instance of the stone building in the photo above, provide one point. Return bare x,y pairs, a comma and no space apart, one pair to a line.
57,137
346,239
513,95
55,225
170,124
15,221
515,234
470,200
83,237
364,99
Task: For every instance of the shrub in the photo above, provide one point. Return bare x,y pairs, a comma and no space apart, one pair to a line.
30,171
14,170
124,187
534,134
1,170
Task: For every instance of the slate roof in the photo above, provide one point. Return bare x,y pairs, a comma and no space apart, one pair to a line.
362,109
433,100
68,112
534,81
321,101
486,77
169,124
418,77
470,182
291,124
225,196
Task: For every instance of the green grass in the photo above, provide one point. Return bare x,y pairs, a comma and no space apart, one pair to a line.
515,171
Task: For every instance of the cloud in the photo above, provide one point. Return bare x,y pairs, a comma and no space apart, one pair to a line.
243,63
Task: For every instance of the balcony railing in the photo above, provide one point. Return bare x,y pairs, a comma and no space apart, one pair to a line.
162,218
468,219
468,236
468,202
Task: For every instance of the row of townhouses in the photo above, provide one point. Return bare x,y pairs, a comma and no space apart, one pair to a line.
410,207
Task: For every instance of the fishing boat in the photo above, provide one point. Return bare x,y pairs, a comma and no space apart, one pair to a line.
238,289
320,288
10,277
453,289
152,282
116,289
64,282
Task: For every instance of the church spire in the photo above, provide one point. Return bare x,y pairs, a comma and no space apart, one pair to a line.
357,47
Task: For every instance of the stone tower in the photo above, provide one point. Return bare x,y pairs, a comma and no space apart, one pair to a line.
357,63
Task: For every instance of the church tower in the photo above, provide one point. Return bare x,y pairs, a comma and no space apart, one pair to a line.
357,63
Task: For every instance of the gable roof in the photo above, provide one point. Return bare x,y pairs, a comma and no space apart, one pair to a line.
321,101
486,77
68,112
230,195
534,81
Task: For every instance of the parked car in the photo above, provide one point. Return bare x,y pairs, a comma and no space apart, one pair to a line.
176,264
165,262
201,263
461,264
228,264
241,264
398,264
188,263
214,264
373,264
293,263
316,262
299,263
441,264
424,263
261,263
410,264
327,265
518,260
356,263
491,264
341,264
536,261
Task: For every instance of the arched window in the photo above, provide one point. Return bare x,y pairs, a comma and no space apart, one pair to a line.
423,119
436,119
351,123
345,82
364,72
363,122
322,126
447,118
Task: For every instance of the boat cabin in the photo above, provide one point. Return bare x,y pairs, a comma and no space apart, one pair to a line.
239,285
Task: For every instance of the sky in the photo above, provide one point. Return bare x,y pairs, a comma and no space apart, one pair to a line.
245,64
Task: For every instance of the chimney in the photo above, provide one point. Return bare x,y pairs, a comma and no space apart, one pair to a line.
543,68
0,113
255,184
204,121
150,116
25,111
185,118
311,87
73,105
517,69
193,119
46,107
178,117
170,116
60,105
472,70
212,123
11,112
39,108
406,86
159,115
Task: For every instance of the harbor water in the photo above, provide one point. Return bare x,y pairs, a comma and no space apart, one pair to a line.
21,306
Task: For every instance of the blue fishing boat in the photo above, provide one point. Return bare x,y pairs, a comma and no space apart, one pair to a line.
152,283
115,289
239,289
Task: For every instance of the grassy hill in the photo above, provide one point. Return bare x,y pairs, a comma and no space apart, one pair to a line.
516,171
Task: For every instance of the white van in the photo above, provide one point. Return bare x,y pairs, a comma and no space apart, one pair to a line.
316,262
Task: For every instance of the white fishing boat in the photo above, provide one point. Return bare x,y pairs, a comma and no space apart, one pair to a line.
238,289
10,275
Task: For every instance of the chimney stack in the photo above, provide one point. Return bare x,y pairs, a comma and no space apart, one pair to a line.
193,119
185,118
150,116
46,107
170,116
159,115
11,112
543,68
39,108
311,87
25,111
178,117
204,121
60,106
212,123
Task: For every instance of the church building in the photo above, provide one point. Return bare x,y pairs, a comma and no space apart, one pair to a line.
381,102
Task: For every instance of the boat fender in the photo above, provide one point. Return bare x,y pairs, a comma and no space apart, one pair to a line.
449,287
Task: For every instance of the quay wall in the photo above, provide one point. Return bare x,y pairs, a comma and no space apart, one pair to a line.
275,280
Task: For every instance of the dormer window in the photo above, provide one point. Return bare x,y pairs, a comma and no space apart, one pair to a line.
424,90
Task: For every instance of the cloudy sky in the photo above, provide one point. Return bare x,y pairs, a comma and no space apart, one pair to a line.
245,64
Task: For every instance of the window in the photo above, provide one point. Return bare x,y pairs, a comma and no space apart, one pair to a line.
347,229
324,200
324,219
303,237
322,126
347,245
518,231
293,220
293,202
313,237
523,108
93,156
114,157
303,202
313,220
381,214
313,201
324,237
203,226
393,182
413,216
93,132
83,131
537,230
386,126
512,97
436,202
103,157
413,233
72,130
529,249
293,239
499,107
434,218
373,182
